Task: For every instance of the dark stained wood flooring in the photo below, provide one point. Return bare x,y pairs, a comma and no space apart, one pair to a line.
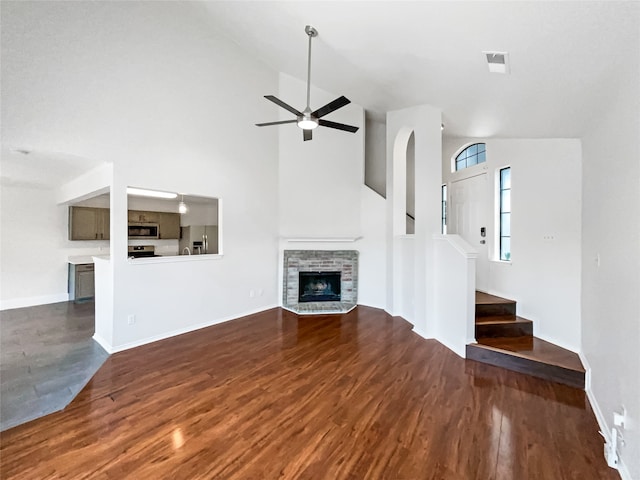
274,395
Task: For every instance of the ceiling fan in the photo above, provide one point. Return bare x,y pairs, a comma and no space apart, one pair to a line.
308,120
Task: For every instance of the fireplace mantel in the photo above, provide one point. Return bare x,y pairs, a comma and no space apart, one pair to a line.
321,239
343,261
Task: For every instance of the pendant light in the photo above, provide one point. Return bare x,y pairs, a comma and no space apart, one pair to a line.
182,207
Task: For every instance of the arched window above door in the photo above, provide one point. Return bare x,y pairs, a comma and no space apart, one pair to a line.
472,155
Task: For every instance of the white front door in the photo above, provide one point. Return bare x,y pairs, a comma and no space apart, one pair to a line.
469,215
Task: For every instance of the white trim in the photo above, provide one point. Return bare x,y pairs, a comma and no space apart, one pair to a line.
458,243
558,343
422,333
321,239
33,301
191,328
456,350
103,343
600,418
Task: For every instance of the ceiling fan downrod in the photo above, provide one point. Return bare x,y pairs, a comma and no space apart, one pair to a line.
306,121
312,32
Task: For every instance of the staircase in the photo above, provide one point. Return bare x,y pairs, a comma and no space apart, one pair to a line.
506,340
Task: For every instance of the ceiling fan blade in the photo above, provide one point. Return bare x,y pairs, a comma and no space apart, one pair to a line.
279,102
307,135
275,123
338,126
331,106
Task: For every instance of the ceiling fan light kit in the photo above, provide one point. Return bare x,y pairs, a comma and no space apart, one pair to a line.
307,120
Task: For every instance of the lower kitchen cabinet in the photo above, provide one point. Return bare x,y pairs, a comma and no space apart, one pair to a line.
81,282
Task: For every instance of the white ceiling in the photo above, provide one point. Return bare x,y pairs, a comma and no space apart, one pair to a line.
40,168
566,57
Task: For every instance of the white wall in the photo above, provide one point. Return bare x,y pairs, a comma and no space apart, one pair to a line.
611,231
322,193
35,247
154,89
543,275
455,298
34,240
320,179
375,149
373,250
424,121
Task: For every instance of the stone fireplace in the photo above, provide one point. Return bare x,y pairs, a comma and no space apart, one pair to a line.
320,281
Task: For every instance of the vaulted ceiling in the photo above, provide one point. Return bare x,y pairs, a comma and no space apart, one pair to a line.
565,57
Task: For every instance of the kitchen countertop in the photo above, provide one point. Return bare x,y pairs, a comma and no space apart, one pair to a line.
84,259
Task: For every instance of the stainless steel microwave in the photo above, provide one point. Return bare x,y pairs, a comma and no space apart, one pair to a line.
143,230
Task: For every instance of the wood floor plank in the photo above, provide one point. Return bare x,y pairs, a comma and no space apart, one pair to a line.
274,395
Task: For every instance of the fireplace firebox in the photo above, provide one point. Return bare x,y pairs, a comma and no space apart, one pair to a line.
319,287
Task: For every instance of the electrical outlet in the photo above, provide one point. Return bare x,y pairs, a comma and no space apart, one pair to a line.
131,319
619,419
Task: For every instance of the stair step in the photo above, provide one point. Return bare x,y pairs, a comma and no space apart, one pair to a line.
532,356
503,326
491,305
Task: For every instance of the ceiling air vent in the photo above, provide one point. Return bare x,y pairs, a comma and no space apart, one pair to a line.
498,61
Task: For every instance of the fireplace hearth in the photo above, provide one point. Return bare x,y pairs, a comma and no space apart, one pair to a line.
320,281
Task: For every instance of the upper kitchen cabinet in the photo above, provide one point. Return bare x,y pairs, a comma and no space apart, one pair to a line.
88,223
139,216
169,226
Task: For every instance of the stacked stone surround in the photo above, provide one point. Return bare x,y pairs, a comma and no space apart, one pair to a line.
343,261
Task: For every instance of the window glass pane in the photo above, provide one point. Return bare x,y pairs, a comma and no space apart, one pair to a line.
505,201
505,248
471,155
505,224
505,178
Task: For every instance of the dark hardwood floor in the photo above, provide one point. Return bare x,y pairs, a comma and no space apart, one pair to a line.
274,395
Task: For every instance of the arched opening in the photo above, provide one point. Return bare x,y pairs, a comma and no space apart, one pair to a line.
410,185
403,180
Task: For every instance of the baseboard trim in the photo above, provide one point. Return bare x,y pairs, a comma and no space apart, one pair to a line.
600,418
180,331
103,343
33,301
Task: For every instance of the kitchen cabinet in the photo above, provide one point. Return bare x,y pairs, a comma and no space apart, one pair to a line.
139,216
81,282
88,223
169,225
200,239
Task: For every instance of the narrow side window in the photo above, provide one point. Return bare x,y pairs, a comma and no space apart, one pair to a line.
443,209
505,213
